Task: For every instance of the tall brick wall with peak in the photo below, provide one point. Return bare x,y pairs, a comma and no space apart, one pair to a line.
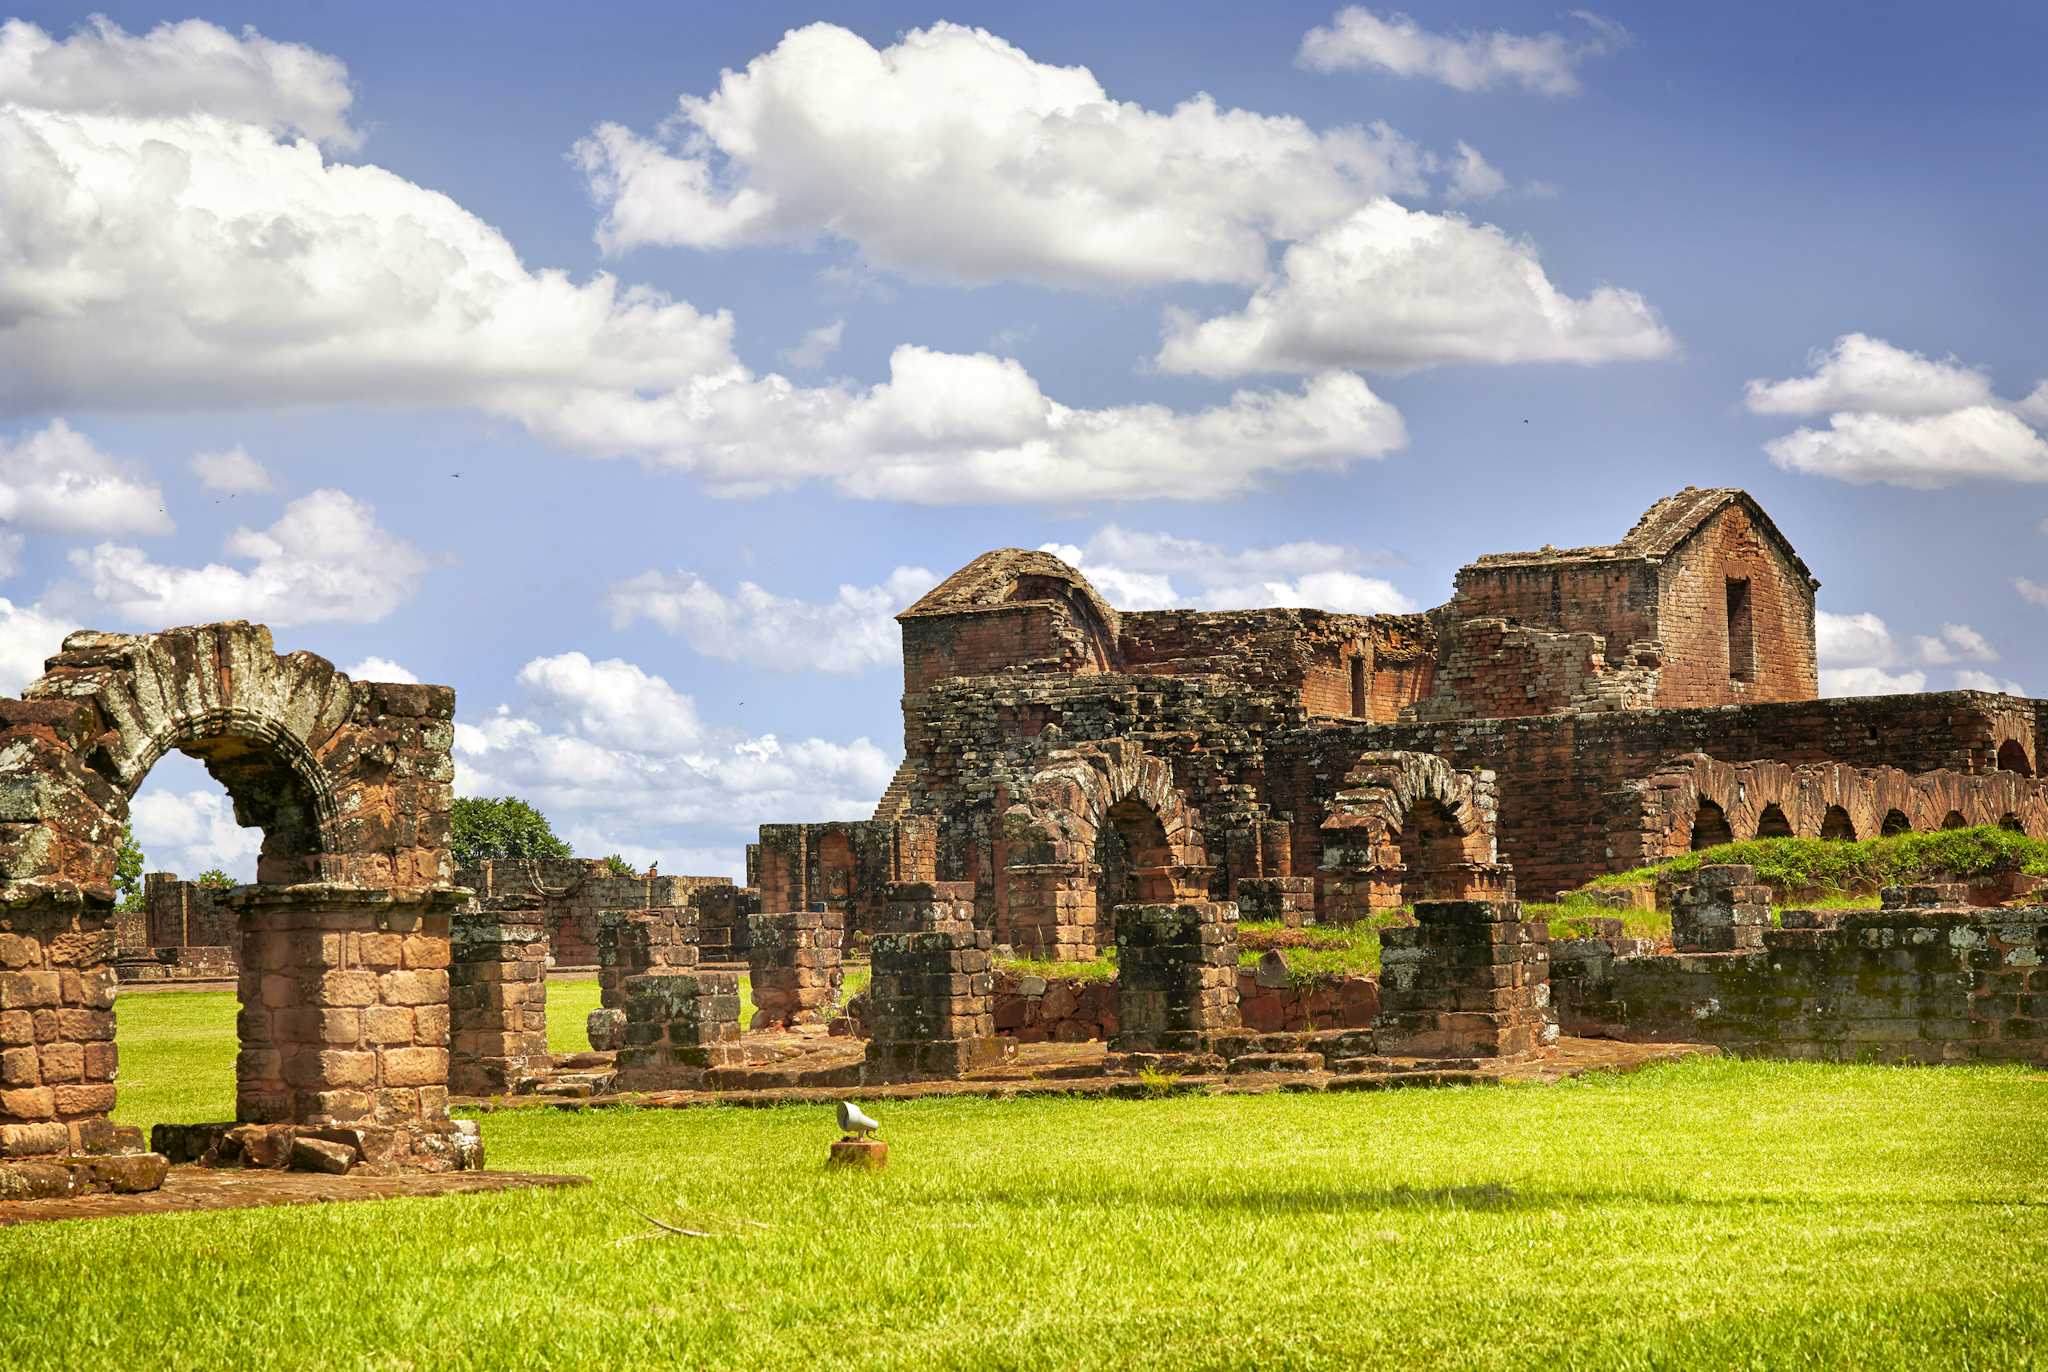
1693,609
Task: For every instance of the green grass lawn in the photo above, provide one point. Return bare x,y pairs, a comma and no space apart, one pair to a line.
1710,1214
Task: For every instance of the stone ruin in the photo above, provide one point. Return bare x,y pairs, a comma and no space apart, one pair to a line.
344,941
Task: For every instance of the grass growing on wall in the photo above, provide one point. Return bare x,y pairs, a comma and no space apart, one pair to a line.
1712,1214
1860,865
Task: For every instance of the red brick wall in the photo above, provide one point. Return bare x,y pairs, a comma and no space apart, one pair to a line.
1693,613
1616,599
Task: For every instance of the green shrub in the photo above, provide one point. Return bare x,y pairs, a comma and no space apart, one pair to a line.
1808,865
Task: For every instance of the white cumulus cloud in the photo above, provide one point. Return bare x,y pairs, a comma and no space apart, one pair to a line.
381,669
183,68
819,344
28,636
614,702
1135,570
325,559
1393,288
1358,39
55,479
233,471
189,832
954,154
1902,418
854,630
1860,656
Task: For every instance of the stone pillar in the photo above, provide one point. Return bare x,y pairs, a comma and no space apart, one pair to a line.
794,958
676,1025
633,943
497,1001
1468,979
931,1005
1050,911
1723,911
57,1030
1176,974
344,1005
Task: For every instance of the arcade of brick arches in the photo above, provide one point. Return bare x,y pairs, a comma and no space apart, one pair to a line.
1075,779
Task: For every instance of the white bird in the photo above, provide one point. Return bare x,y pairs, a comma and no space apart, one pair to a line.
854,1121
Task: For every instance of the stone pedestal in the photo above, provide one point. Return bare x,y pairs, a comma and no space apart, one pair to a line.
1723,911
1176,975
677,1024
869,1155
794,958
931,1004
497,1005
1469,979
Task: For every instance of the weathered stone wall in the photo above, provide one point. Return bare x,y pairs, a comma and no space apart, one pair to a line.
1495,669
497,1006
184,914
1923,980
1693,609
570,895
57,1053
843,867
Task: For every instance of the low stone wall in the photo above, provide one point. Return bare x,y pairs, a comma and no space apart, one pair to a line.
179,964
1036,1009
1925,979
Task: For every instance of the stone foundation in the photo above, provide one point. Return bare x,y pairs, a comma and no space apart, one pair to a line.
794,958
1176,974
931,1003
442,1145
497,1004
1289,900
1469,979
675,1026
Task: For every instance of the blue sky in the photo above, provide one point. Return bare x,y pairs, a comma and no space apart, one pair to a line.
529,353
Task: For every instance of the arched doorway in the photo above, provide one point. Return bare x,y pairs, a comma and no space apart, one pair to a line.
2012,757
1431,846
1895,822
1954,820
2011,823
1836,824
1710,826
349,782
1133,862
1773,824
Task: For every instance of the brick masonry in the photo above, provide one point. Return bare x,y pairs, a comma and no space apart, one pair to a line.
677,1026
794,957
498,1008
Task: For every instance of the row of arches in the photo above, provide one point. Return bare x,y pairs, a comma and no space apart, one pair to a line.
1696,802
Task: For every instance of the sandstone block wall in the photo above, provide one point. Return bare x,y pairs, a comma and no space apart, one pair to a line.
1723,910
931,1000
497,1003
633,943
57,1054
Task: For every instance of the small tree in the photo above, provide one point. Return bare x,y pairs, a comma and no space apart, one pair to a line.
128,863
214,879
501,827
619,867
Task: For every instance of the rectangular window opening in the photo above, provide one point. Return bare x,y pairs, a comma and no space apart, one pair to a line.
1358,688
1741,632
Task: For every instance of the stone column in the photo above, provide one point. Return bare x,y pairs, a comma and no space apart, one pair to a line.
1723,911
632,943
676,1026
344,1005
497,1001
1468,979
57,1030
1176,974
931,1005
1290,900
794,958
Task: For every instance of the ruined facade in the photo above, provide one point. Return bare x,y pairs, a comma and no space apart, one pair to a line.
1601,706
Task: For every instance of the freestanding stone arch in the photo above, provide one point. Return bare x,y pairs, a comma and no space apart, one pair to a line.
344,940
1408,826
1050,828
